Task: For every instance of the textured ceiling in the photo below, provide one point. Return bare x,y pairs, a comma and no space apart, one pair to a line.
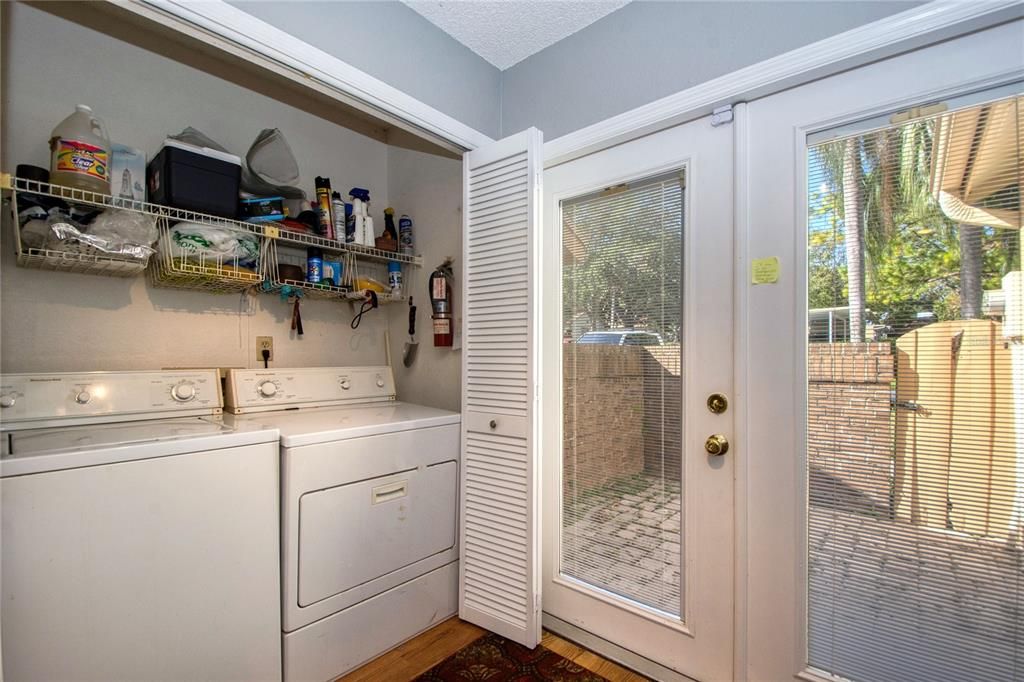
505,33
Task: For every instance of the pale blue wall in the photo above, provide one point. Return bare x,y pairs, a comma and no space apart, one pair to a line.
635,55
648,50
391,42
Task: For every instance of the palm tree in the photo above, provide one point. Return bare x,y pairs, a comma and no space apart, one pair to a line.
971,266
854,238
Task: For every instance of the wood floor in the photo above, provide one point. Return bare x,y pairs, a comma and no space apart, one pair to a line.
423,652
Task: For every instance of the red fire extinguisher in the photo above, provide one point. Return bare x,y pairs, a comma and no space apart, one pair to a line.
441,303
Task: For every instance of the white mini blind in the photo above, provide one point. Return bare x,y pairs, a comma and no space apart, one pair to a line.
915,417
499,569
622,387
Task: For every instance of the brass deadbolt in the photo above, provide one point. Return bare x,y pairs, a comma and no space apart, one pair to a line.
718,403
717,445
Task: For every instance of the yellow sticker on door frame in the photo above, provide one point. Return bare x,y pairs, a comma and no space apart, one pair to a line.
764,270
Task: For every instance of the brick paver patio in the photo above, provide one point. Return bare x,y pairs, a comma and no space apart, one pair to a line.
624,538
872,579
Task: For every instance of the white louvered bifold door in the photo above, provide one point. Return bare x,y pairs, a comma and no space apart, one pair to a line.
499,586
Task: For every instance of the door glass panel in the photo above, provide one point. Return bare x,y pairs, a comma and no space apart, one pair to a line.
915,419
622,412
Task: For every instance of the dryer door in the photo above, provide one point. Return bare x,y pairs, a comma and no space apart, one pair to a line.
362,515
353,533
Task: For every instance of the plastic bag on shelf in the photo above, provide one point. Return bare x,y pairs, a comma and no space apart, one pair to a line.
36,234
125,226
225,244
112,239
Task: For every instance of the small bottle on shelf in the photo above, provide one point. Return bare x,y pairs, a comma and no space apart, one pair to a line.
314,265
395,278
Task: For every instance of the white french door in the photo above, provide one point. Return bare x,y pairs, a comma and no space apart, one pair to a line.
637,301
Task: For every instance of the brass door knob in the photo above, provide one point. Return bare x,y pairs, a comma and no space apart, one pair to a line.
717,445
718,403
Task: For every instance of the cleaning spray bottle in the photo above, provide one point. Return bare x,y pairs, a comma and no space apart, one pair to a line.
405,235
323,206
338,214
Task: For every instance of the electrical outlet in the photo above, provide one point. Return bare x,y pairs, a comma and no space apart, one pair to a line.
264,343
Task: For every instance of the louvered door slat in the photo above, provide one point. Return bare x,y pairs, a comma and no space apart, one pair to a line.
500,544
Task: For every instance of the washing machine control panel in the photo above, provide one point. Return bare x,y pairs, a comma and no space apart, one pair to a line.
256,390
35,400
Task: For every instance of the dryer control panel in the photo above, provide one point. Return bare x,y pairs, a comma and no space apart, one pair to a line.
261,390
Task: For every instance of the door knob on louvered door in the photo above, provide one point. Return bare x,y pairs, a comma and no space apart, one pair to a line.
494,424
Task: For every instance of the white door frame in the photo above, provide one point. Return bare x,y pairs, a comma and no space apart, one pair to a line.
773,609
707,324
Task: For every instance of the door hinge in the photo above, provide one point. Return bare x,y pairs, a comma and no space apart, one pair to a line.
721,115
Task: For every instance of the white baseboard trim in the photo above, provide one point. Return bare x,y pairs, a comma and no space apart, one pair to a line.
915,28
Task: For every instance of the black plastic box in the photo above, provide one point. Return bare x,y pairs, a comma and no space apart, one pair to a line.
195,179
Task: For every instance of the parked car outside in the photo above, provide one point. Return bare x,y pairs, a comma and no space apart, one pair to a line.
622,337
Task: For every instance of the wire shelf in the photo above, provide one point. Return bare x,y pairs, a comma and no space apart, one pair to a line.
183,266
353,272
78,196
199,273
278,232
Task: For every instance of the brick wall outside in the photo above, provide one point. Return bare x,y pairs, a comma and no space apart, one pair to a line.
622,412
849,425
623,407
663,410
603,429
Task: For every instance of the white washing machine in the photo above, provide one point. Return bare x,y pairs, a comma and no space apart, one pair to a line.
139,532
369,511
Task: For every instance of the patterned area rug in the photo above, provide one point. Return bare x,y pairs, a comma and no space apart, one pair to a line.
495,659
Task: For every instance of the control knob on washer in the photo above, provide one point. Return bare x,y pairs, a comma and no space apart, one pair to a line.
83,397
345,384
183,392
380,381
267,389
8,399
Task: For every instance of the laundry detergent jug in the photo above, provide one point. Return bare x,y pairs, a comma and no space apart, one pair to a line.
80,152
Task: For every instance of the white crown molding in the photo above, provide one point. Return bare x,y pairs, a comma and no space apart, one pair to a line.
924,25
243,35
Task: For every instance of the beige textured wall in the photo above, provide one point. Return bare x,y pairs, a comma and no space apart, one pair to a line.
61,322
429,189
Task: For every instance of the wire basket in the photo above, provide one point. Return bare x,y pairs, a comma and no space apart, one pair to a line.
70,256
355,272
181,264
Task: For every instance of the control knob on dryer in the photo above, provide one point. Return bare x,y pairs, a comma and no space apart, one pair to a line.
267,389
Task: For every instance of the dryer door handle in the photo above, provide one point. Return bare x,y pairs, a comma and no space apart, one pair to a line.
391,491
